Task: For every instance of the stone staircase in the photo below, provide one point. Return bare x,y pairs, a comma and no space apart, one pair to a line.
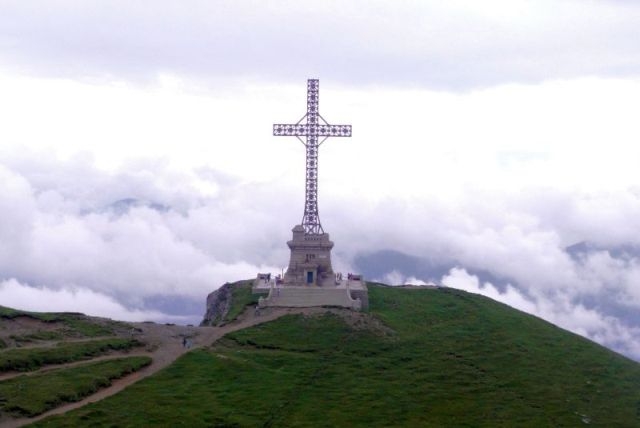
297,297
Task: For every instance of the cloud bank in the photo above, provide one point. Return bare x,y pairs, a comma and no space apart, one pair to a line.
128,239
26,297
72,230
455,45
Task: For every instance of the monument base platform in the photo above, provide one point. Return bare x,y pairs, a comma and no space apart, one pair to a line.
350,294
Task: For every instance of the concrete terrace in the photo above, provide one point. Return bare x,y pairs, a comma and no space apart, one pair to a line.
346,293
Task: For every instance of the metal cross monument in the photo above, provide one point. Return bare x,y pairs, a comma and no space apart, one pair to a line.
312,130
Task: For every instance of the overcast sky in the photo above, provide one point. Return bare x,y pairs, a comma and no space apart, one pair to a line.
138,171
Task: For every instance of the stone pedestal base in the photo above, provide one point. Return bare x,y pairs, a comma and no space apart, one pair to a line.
310,262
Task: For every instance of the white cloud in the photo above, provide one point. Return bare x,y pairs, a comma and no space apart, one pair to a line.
459,278
59,235
392,278
462,44
397,278
612,276
418,142
41,299
60,228
412,280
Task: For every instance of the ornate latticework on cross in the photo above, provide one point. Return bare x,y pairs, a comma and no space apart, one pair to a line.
313,129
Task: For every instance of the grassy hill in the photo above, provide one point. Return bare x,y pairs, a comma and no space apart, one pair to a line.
421,357
49,359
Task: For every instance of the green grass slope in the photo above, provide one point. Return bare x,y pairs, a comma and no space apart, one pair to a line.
67,325
32,395
446,358
30,359
54,349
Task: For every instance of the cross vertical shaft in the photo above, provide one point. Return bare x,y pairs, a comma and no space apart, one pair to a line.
314,127
311,218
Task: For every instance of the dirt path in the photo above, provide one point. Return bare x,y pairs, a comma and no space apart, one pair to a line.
165,344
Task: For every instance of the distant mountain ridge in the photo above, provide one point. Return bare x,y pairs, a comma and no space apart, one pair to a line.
378,264
123,206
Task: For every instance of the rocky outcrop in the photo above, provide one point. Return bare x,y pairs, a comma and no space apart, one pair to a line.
218,305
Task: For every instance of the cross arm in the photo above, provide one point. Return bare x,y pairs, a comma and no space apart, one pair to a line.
305,130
